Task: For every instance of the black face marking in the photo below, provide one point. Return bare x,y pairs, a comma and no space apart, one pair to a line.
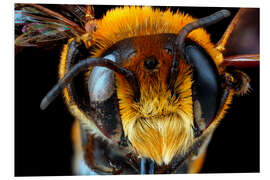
150,63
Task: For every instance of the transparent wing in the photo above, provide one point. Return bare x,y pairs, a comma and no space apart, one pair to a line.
240,42
37,34
37,25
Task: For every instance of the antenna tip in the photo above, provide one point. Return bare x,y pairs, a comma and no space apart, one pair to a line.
44,103
226,13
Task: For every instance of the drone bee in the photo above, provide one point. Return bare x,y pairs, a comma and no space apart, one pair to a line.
147,88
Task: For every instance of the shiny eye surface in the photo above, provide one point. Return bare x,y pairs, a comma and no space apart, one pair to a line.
100,82
103,99
102,91
205,88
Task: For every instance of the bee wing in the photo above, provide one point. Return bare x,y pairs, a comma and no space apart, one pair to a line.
83,16
37,25
75,11
240,42
37,34
242,61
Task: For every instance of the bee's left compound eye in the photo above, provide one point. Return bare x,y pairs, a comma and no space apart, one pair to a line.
103,100
100,82
102,91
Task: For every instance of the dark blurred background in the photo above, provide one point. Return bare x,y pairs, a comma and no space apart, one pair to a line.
43,144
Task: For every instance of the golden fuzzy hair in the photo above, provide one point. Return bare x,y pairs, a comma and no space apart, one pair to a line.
160,125
126,22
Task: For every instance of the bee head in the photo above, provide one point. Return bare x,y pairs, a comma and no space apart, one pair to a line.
174,104
159,85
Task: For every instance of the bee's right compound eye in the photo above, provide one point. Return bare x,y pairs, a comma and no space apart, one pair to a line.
205,88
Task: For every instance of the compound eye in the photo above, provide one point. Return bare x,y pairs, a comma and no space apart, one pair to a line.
102,91
101,82
205,88
103,100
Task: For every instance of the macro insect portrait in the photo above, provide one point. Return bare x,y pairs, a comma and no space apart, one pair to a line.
145,90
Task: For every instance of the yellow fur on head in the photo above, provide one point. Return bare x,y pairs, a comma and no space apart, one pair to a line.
160,125
126,22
